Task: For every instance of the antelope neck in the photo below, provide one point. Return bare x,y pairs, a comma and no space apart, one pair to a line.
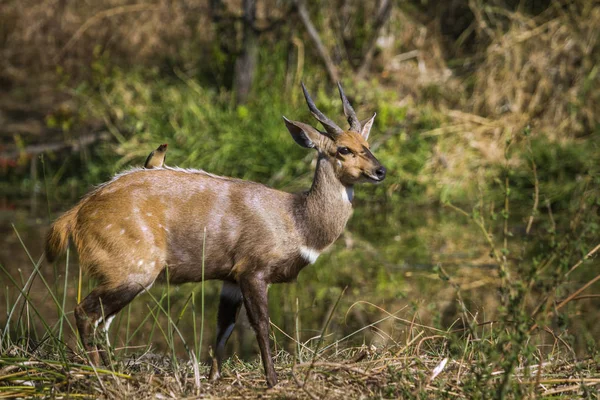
325,208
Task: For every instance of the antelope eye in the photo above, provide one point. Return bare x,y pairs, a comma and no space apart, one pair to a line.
343,150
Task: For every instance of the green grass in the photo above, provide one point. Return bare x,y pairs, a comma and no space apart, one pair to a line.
512,241
519,336
421,362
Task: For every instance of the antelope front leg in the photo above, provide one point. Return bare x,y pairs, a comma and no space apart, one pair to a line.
254,291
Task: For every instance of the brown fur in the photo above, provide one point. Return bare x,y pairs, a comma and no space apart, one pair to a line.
57,238
129,231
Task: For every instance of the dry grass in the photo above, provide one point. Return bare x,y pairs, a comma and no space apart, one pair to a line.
523,70
41,36
69,34
414,369
542,69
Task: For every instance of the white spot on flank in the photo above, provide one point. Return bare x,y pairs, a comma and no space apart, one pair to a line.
161,226
122,231
108,226
149,214
309,254
140,263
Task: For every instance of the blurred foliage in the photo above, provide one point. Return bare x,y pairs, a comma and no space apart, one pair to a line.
449,81
469,95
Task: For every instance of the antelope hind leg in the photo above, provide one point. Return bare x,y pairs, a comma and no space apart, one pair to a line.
97,308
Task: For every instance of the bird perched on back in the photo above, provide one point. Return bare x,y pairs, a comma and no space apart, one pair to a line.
156,159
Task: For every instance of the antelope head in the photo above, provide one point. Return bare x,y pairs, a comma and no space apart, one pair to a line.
347,150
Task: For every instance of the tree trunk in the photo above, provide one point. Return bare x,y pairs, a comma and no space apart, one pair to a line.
245,64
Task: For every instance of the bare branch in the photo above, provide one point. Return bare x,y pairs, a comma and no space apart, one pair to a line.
314,35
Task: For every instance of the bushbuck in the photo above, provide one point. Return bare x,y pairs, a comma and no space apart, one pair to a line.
156,158
132,229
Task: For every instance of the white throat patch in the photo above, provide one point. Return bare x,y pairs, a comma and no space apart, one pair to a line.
309,254
348,194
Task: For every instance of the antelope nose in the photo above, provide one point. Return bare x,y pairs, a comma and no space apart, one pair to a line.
380,172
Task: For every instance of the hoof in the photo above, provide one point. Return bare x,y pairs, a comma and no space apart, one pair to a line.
215,377
271,381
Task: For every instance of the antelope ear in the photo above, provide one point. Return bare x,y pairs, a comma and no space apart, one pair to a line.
366,126
304,134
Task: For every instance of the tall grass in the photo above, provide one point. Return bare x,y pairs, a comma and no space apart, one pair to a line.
524,212
23,346
521,345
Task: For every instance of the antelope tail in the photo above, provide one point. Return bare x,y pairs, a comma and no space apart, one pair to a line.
57,238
